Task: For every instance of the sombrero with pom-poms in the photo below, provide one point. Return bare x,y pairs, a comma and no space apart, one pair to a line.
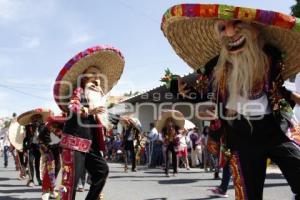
176,116
107,59
190,30
26,117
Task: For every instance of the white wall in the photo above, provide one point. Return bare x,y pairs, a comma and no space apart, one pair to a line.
149,113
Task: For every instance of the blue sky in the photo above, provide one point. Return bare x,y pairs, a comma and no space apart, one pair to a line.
38,37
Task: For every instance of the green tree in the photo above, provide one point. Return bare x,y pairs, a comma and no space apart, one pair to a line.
295,12
296,9
131,93
110,105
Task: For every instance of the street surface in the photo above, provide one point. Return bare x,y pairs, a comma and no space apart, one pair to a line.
146,184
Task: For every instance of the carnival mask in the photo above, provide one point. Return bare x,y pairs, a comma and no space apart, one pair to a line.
235,34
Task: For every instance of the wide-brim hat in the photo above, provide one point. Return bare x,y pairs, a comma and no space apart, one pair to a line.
125,120
188,124
107,59
16,135
25,118
56,120
177,117
190,30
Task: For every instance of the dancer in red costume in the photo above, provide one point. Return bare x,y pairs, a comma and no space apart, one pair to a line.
91,74
49,139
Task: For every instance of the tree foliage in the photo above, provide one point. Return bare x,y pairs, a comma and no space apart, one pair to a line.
296,9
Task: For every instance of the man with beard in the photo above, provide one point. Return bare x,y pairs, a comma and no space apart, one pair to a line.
83,135
243,56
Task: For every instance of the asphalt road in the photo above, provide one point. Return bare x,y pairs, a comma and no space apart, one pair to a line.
146,184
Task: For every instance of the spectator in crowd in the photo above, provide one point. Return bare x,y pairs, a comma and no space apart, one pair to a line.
6,145
182,148
205,153
157,151
195,144
149,144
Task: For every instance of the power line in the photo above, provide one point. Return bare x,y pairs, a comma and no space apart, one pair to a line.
24,93
25,85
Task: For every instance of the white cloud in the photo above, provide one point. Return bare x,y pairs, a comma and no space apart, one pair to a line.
80,38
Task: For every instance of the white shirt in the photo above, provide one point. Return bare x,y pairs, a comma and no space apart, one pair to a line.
5,137
157,137
255,107
152,135
297,107
54,139
130,136
182,141
96,99
35,137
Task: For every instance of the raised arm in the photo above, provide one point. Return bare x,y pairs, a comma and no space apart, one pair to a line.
75,106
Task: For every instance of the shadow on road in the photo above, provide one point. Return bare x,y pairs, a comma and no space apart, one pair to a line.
186,172
116,177
4,179
7,179
21,190
10,186
274,176
14,198
275,185
177,181
205,198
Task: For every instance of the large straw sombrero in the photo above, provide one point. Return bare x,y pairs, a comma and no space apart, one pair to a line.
52,120
190,30
107,59
16,135
177,117
125,120
25,118
188,124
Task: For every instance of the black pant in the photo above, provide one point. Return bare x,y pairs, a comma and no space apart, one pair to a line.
266,140
171,148
82,179
34,156
5,155
55,150
96,166
157,155
23,159
130,153
225,177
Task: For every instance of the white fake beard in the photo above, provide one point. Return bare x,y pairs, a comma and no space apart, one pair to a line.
245,69
93,96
